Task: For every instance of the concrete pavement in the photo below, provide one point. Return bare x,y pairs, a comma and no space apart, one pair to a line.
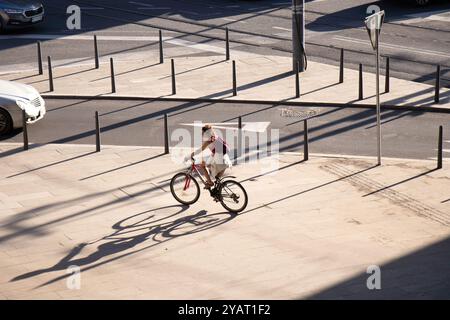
311,229
258,78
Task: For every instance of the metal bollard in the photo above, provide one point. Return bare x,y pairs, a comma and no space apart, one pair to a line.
39,52
166,134
306,140
161,53
97,132
227,44
387,77
174,87
439,156
239,144
97,62
297,80
341,67
234,79
113,76
360,96
25,130
50,73
437,85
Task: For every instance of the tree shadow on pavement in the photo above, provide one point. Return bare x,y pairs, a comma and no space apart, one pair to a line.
131,232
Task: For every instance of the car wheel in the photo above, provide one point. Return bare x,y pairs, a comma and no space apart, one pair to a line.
5,122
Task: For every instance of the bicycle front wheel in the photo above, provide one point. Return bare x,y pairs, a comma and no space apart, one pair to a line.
233,196
185,188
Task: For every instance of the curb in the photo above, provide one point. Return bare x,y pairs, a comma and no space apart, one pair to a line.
263,102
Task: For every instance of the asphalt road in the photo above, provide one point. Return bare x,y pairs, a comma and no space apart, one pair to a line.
412,33
406,134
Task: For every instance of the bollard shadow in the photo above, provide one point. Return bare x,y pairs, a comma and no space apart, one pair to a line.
123,167
131,233
126,72
400,182
51,164
63,76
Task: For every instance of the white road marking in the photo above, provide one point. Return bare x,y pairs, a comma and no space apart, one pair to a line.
393,46
437,15
246,126
178,42
233,20
153,8
280,28
141,4
92,8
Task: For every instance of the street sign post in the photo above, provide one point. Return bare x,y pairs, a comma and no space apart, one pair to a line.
373,26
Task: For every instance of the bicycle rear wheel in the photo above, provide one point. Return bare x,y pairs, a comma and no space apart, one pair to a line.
184,188
233,196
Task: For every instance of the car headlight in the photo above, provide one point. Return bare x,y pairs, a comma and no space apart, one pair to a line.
13,11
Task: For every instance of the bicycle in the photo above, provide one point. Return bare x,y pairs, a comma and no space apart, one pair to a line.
186,190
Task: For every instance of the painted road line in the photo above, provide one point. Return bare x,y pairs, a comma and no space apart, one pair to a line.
280,28
153,8
438,15
233,20
140,4
178,42
147,6
393,46
246,126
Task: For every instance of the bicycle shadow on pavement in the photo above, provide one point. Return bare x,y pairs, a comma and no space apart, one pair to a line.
131,232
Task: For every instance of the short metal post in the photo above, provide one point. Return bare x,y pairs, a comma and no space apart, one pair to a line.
239,136
297,80
174,87
341,67
161,53
439,157
50,73
25,130
227,44
97,62
360,97
306,140
113,76
166,134
97,132
234,79
39,52
387,77
438,80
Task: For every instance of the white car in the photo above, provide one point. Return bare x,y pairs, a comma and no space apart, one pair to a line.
15,97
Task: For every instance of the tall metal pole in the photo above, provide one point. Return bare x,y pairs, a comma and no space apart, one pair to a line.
378,99
298,34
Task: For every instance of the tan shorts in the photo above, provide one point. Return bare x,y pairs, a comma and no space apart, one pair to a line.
218,163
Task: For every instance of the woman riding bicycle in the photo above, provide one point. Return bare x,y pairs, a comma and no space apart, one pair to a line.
219,160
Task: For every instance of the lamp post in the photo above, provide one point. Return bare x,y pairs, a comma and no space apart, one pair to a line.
373,25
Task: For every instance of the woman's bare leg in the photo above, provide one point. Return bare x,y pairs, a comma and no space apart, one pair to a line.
206,173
